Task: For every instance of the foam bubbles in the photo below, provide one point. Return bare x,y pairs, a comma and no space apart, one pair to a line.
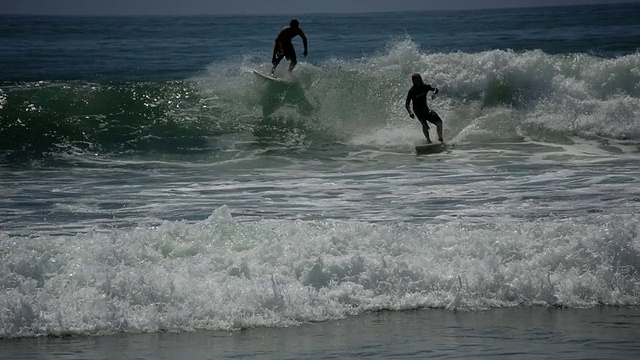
485,97
222,274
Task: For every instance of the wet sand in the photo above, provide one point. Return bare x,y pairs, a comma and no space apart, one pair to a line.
522,333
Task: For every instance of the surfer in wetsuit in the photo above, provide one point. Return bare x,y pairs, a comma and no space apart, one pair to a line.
284,48
418,96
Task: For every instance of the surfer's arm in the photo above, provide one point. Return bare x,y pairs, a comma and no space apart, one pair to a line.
407,104
435,92
304,42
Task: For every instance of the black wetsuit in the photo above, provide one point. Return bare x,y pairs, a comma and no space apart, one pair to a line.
418,96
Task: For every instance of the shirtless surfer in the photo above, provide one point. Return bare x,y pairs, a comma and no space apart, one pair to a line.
284,48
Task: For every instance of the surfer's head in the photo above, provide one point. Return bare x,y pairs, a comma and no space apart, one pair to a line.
416,79
294,24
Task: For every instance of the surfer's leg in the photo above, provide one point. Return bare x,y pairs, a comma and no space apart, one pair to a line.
435,119
275,64
290,54
425,130
278,55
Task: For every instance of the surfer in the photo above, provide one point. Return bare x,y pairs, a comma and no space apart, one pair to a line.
284,48
418,95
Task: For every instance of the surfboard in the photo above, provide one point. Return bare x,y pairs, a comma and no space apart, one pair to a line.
432,148
267,77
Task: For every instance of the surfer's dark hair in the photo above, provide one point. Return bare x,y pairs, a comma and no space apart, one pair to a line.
294,23
417,76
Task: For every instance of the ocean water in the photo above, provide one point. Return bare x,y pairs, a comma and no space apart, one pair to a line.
159,198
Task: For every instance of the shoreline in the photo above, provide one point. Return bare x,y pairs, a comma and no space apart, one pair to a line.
410,334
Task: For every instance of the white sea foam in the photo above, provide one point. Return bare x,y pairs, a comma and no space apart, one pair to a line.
516,94
222,274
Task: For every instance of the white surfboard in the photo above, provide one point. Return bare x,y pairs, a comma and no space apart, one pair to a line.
267,77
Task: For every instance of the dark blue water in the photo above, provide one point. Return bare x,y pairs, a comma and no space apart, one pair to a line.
34,48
